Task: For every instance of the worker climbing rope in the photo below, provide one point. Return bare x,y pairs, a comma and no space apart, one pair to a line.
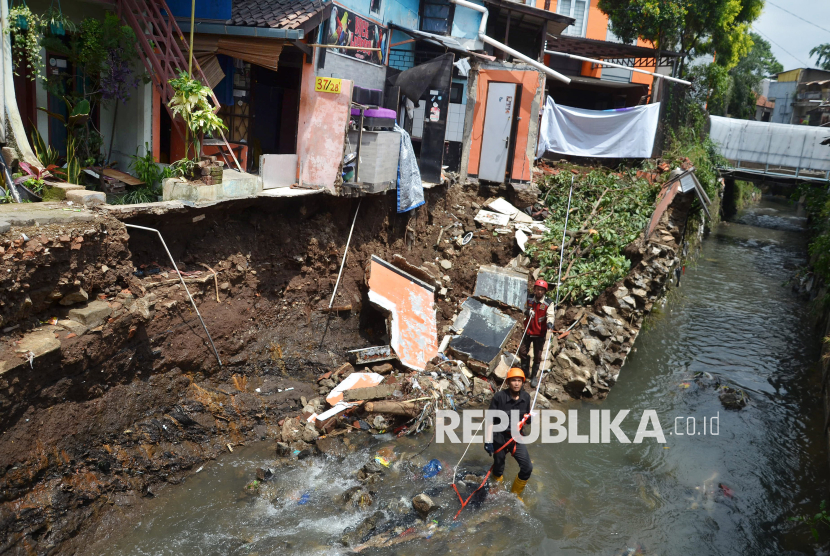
536,324
518,399
513,401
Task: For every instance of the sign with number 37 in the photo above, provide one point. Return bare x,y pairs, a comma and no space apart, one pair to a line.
327,85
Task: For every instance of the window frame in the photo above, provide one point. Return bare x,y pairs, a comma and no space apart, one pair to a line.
450,18
571,14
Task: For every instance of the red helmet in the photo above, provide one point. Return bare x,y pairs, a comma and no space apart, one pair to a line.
541,283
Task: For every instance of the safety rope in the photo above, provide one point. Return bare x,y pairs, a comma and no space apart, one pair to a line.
538,384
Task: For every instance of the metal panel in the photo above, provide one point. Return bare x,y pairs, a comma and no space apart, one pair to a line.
500,284
483,331
792,146
278,170
498,120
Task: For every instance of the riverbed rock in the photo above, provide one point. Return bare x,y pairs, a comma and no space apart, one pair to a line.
592,345
732,398
310,433
291,431
423,504
357,497
263,474
353,536
331,446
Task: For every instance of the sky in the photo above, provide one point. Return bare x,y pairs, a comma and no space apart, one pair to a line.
793,36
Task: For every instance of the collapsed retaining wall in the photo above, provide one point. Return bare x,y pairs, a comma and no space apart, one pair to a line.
131,399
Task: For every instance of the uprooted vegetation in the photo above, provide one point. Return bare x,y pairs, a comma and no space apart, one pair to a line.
608,211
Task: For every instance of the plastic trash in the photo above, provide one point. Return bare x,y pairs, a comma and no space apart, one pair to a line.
304,499
432,468
383,461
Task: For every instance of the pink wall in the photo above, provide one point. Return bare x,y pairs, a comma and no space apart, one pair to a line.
322,130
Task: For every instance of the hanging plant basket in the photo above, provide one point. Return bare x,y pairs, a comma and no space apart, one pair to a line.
57,29
22,23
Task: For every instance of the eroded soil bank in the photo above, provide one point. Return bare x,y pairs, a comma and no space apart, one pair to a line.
101,410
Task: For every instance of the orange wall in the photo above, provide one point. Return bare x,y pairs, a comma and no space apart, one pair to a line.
598,30
529,81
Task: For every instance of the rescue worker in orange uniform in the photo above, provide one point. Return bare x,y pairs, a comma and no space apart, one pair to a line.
537,315
513,398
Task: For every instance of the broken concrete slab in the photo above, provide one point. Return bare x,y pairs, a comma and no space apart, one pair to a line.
92,314
354,380
501,284
86,197
492,218
73,326
503,207
482,332
72,298
410,303
34,346
371,393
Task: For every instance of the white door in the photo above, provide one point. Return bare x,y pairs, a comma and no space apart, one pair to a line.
498,120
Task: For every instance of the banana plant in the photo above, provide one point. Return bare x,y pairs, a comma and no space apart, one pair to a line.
78,116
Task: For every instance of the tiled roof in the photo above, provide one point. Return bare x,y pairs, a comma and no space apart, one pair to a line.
277,14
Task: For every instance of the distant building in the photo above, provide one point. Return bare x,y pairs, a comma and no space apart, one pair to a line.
801,96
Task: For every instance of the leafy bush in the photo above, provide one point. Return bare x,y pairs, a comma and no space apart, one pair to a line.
609,210
190,101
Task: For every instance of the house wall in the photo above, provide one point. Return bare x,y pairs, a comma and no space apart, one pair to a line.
321,132
532,83
465,26
133,126
597,28
402,12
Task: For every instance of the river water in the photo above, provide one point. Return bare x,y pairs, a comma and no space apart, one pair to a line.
732,317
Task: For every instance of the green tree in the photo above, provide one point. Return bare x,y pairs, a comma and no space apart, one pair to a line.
822,54
694,27
746,78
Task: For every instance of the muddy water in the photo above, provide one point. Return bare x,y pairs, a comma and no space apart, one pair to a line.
731,318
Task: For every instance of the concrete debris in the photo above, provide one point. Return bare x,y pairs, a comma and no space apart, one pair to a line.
410,303
501,284
72,298
91,315
482,332
354,380
492,218
503,207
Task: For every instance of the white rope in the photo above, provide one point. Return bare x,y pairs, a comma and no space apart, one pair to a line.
556,303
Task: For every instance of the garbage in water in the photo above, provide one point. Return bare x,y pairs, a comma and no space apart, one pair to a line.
432,468
304,499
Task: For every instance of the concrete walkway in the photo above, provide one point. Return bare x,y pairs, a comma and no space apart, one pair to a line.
31,214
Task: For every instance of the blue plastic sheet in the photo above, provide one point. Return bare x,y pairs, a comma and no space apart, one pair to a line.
410,187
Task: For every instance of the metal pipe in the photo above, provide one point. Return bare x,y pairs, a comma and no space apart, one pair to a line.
215,352
613,65
503,47
345,254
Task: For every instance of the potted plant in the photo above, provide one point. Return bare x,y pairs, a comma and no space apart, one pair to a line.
26,29
190,101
